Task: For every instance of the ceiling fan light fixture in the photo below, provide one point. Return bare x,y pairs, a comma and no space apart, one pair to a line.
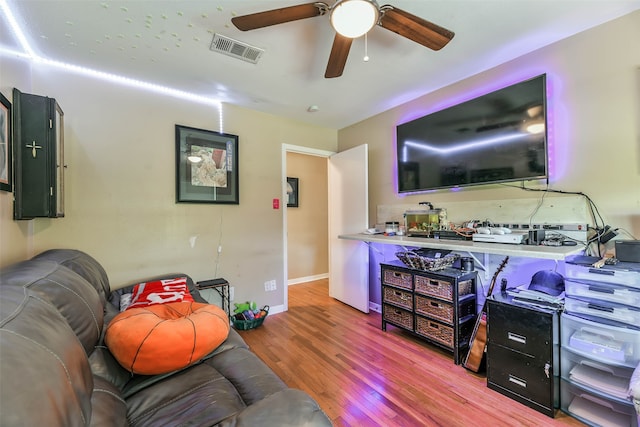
354,18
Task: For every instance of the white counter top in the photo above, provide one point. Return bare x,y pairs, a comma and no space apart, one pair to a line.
558,253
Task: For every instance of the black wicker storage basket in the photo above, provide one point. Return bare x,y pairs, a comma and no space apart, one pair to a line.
244,325
424,263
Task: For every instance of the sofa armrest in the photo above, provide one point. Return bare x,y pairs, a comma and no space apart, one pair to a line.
289,407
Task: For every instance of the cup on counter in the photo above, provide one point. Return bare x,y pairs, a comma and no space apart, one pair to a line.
391,228
466,264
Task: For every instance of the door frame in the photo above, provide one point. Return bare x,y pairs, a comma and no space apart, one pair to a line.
288,148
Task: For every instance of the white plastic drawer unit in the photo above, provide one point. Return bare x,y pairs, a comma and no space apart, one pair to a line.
600,275
589,290
595,310
609,380
604,343
595,409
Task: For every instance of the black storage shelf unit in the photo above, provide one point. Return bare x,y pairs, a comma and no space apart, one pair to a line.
438,306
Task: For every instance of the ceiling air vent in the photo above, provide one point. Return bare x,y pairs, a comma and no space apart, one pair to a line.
231,47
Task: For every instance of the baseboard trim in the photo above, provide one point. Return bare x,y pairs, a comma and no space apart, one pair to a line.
375,307
307,279
276,309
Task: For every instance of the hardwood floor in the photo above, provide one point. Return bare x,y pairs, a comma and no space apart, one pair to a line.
362,376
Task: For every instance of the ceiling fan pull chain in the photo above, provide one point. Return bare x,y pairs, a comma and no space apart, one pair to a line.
366,49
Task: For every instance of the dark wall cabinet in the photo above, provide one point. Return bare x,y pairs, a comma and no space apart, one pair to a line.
523,353
39,156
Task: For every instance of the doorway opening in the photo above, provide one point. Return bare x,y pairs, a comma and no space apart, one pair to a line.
306,191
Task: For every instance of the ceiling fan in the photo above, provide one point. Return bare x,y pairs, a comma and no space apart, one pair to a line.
351,19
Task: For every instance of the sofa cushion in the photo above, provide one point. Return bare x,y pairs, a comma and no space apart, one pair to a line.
108,408
250,376
198,396
159,292
46,380
84,265
104,365
68,292
166,337
233,388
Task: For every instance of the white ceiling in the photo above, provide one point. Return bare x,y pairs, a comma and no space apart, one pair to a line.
166,42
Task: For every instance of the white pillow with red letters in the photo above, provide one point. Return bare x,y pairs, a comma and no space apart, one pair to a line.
160,292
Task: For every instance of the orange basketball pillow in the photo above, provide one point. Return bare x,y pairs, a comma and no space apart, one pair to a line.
161,338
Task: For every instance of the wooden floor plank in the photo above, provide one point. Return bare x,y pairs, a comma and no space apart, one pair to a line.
363,376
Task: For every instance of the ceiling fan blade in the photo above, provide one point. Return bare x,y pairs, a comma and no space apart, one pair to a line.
415,28
279,16
338,56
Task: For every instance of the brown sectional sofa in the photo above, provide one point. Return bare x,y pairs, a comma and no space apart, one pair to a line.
56,371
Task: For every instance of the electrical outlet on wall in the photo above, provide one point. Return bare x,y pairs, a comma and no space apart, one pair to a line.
270,285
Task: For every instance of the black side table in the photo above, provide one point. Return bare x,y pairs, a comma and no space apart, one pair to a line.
221,286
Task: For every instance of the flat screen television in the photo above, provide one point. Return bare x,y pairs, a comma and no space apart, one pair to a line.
494,138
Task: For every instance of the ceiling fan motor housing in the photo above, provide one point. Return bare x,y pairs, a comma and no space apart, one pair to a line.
366,13
354,18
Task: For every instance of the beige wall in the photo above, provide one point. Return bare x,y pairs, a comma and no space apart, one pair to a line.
120,151
594,105
120,186
307,225
14,245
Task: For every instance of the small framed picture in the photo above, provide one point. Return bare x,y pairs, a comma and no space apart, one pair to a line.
292,192
206,166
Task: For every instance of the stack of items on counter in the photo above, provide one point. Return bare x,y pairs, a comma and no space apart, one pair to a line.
248,316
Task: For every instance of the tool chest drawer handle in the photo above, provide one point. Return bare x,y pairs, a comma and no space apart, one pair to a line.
517,381
517,338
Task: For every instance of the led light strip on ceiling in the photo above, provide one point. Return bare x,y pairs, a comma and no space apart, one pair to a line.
30,55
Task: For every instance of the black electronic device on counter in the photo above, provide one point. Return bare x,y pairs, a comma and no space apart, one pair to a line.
628,250
536,237
449,235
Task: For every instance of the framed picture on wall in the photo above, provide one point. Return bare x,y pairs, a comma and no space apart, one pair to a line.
5,144
292,192
206,166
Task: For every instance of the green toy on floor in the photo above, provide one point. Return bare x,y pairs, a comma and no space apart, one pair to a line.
242,307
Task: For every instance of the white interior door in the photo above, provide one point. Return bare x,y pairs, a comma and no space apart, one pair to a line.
348,214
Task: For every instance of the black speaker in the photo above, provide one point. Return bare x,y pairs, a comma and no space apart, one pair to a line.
628,250
535,237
